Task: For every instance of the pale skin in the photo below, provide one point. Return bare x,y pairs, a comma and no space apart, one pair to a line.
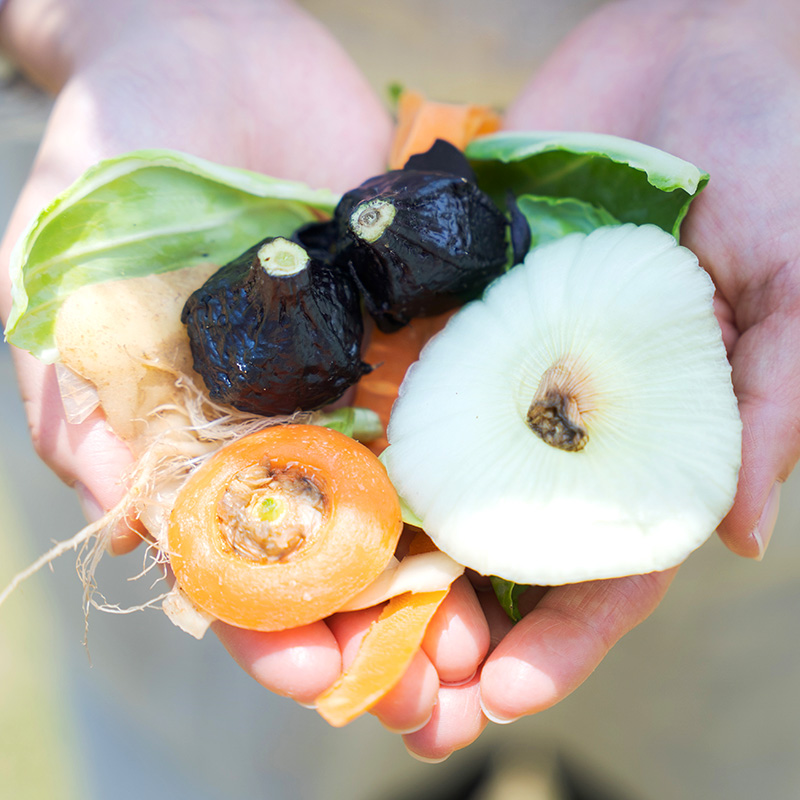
716,82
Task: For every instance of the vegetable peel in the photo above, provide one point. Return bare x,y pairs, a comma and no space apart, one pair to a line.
382,658
358,531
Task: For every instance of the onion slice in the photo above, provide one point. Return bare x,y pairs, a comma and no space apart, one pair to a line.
421,572
579,421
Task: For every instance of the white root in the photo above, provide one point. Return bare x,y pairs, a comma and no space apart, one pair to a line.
181,436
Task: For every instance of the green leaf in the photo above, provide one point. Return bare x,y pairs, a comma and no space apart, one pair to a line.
629,180
508,593
551,218
362,424
142,213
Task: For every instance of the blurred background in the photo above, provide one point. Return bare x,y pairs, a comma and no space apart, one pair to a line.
701,701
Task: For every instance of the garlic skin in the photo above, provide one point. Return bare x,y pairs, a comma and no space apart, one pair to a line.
618,323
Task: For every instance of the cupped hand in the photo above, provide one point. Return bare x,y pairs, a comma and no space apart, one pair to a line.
249,83
719,85
252,84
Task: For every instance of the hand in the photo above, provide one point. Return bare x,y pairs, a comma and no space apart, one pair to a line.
719,86
252,84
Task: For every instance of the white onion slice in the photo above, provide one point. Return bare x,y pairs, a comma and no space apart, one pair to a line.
631,311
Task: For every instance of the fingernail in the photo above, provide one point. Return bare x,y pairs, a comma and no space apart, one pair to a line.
460,683
425,760
92,510
405,731
492,717
762,533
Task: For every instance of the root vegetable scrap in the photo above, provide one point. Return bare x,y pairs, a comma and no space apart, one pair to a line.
421,122
282,527
384,655
385,652
419,243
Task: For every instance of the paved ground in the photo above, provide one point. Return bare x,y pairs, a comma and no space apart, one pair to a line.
700,702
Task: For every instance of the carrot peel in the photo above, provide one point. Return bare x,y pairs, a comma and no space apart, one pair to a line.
383,657
420,122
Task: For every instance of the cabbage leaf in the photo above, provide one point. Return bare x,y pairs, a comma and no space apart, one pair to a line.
143,213
551,218
632,182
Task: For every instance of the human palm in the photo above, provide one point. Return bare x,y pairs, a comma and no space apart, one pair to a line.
717,91
722,90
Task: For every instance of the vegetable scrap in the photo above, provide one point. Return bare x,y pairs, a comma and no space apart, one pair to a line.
383,656
544,410
276,330
419,243
283,527
420,122
561,413
386,650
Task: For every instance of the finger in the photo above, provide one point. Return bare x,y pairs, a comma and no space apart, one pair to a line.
349,629
457,638
299,663
88,452
552,650
409,705
768,389
457,721
87,456
125,536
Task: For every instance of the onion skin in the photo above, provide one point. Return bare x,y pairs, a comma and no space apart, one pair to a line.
360,529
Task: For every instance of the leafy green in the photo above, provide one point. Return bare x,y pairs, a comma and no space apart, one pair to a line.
508,593
362,424
142,213
630,181
551,218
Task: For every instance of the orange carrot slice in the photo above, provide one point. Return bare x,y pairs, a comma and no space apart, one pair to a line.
383,657
420,122
392,354
282,527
